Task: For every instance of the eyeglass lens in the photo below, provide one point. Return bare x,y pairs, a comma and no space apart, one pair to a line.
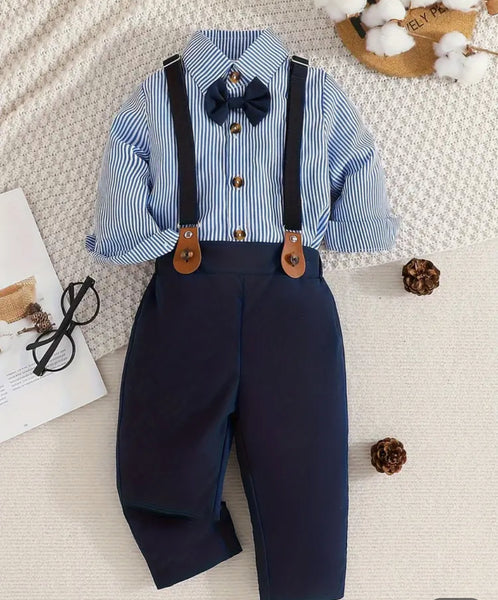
88,307
63,354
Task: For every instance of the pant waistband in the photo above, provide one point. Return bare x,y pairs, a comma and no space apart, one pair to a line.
243,257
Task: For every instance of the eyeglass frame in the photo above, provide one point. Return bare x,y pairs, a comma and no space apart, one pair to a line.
66,326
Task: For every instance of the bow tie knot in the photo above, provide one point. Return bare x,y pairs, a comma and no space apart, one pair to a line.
255,101
236,102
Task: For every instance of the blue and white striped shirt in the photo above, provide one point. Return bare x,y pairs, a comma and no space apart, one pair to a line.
343,189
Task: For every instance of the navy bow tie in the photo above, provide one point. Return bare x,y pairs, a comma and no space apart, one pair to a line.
255,101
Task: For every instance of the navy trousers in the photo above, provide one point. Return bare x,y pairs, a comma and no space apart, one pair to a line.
237,350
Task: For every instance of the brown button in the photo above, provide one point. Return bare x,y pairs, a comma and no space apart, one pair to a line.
239,234
235,128
238,181
234,76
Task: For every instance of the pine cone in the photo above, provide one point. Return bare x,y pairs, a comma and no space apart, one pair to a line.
32,307
420,276
388,455
41,321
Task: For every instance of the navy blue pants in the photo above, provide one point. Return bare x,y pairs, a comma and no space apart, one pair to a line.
237,350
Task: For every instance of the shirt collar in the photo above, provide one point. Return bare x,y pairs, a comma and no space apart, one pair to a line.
211,53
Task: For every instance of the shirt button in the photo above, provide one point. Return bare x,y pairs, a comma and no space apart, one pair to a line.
235,128
237,182
234,76
239,234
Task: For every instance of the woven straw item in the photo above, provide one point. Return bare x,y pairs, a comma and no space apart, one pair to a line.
14,299
433,21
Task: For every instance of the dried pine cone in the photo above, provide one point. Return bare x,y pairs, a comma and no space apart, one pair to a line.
33,307
41,321
420,276
388,455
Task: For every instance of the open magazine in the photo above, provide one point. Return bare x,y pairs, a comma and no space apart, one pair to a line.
29,283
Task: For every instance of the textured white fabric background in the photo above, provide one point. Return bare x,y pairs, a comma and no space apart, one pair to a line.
424,369
66,66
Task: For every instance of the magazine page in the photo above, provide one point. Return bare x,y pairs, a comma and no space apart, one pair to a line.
29,285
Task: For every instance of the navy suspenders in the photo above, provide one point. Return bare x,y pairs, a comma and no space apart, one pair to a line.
187,256
185,140
292,260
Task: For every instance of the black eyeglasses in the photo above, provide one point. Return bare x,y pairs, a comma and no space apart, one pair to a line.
82,309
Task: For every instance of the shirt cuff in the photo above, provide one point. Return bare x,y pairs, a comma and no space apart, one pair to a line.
370,235
149,248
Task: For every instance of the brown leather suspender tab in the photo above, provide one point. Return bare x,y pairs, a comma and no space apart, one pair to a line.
187,257
292,259
293,262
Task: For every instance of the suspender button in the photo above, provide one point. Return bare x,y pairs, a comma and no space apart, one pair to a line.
293,259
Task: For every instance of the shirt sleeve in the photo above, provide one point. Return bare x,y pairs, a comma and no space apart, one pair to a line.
124,231
360,218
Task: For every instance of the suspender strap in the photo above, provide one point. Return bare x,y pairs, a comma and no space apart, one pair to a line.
292,162
184,138
185,141
187,257
188,254
292,257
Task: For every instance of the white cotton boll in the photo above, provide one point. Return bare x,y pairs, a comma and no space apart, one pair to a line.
474,68
388,40
450,65
406,3
463,5
383,11
373,41
421,3
350,7
5,342
5,336
339,10
333,12
4,328
453,40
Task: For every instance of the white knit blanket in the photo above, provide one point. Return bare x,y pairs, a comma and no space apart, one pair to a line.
66,66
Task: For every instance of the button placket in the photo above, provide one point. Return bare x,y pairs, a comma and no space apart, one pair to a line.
237,229
235,88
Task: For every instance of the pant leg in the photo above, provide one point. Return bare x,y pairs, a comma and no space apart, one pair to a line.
292,436
178,394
